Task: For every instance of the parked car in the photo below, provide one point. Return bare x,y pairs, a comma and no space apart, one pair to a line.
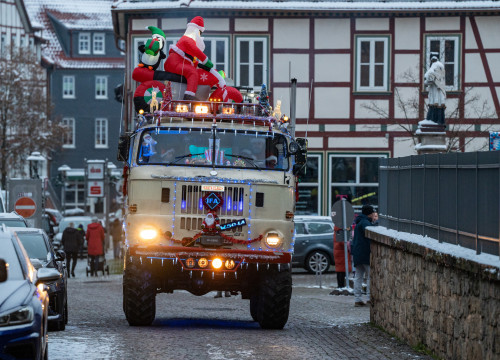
24,302
13,220
313,243
42,254
76,220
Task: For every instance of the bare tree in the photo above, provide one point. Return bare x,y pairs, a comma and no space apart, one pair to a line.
25,110
458,123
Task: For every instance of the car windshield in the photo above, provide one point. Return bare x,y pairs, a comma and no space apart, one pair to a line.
9,254
35,245
13,222
225,148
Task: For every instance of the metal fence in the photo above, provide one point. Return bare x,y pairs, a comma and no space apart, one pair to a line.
454,198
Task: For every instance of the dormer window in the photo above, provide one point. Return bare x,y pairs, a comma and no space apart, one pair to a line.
84,43
98,44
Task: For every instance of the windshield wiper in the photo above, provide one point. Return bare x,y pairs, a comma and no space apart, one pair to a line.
177,158
250,160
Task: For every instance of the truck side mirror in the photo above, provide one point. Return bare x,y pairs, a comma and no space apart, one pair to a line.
3,271
123,147
299,168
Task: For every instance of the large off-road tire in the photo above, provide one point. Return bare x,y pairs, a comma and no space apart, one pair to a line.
275,291
254,307
139,296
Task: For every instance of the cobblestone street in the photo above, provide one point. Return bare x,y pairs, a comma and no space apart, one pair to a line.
320,326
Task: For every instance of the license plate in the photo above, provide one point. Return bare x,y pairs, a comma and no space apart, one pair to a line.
211,240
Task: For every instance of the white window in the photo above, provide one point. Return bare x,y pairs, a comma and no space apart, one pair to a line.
101,133
310,197
372,63
69,134
355,176
68,87
101,87
448,48
217,50
251,60
84,43
98,44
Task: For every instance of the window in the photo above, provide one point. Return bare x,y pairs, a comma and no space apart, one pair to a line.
101,87
69,135
448,48
2,44
309,187
217,50
74,194
68,87
315,228
98,44
355,176
251,57
372,63
101,133
83,43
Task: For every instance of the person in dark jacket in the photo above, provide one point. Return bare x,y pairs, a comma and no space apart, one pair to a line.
95,244
116,232
71,241
361,253
81,230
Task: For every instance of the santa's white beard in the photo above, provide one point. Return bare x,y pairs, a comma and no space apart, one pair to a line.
194,34
200,43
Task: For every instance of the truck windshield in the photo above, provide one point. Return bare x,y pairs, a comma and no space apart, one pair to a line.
199,147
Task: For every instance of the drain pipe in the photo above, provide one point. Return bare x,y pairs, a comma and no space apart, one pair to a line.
293,106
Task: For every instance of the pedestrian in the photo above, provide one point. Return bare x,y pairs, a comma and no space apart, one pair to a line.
339,256
116,233
81,230
361,253
71,241
95,244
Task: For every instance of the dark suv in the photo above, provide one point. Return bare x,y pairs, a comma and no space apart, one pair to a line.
313,243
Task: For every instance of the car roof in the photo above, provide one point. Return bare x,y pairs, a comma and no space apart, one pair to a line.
11,215
307,218
77,218
26,230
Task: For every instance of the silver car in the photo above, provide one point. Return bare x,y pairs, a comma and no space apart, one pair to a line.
313,243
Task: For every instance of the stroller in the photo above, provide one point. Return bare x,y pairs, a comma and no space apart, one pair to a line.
101,266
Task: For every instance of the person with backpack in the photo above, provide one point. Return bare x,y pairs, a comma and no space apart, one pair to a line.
95,244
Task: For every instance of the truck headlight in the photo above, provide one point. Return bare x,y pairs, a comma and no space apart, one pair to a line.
21,316
148,233
273,240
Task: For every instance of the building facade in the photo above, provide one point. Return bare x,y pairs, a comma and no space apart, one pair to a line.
359,67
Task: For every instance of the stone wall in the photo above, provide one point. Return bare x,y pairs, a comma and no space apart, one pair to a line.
451,305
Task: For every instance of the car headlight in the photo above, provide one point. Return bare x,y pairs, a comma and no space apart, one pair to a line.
273,240
21,316
148,233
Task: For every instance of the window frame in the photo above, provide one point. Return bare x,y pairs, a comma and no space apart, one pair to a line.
457,84
95,41
318,184
98,134
212,40
71,92
265,64
81,41
105,89
387,63
70,124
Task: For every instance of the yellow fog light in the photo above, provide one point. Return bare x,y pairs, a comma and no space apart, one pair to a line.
229,264
273,240
181,108
148,234
201,109
190,263
216,263
203,262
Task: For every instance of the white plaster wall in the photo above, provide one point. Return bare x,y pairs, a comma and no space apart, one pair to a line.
490,127
406,68
299,67
494,64
406,36
476,144
241,24
404,99
142,24
396,127
489,30
332,34
291,33
470,40
175,24
451,107
315,143
360,112
307,127
474,69
332,67
216,24
461,127
337,127
442,23
331,103
372,24
475,109
403,146
368,127
358,142
283,94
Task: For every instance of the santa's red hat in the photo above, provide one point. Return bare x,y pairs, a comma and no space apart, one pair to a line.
198,23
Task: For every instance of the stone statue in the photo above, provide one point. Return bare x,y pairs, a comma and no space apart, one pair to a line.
434,78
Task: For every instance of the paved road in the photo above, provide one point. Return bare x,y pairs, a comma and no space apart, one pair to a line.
320,326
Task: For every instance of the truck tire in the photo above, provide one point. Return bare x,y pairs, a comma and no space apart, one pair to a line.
275,291
254,307
139,296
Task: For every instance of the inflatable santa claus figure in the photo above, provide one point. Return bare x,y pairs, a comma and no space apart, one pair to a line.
184,56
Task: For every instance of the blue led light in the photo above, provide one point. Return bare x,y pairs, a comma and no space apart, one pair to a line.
200,204
183,204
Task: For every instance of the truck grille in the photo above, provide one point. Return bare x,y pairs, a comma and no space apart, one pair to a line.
191,201
194,223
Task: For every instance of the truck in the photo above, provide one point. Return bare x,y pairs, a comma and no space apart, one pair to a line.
210,190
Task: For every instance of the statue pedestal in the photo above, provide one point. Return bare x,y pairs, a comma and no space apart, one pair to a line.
431,138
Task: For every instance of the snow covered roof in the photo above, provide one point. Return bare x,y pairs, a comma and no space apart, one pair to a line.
73,15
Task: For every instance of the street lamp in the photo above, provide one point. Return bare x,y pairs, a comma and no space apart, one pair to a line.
34,159
64,173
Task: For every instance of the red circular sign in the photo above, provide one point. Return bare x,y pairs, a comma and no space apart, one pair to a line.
25,207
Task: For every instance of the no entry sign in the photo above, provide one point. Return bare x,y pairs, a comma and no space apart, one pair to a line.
25,206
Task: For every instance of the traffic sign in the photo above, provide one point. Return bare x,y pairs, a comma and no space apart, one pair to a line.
95,189
25,206
337,214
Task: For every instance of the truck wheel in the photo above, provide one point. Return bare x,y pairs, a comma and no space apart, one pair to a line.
254,306
275,291
139,296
